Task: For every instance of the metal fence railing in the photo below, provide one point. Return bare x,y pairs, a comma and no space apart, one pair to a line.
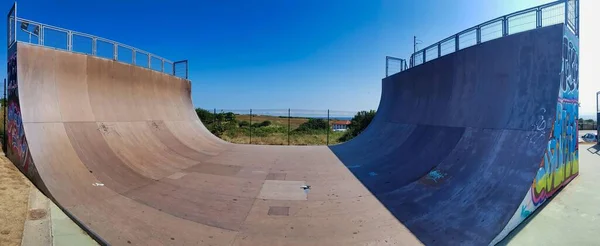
394,65
564,11
278,126
32,32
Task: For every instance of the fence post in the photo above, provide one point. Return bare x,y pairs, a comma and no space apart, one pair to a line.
4,138
289,121
250,126
328,127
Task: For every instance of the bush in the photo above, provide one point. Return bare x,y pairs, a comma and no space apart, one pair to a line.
205,116
231,125
244,123
358,123
265,123
217,129
229,116
313,124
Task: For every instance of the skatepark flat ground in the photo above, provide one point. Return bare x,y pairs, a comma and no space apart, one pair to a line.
573,216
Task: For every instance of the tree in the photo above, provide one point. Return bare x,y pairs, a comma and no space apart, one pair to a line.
205,116
358,123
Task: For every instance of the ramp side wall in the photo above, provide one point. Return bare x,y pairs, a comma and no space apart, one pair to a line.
17,148
560,163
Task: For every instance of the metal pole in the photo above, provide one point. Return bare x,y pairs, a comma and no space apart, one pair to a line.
4,138
250,126
414,44
328,127
289,120
214,115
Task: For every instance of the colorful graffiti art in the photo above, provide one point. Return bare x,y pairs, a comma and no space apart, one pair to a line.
560,163
17,148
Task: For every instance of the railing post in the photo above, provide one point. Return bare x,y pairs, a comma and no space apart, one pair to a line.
41,37
567,12
386,66
115,52
149,59
504,26
538,18
577,23
162,65
94,46
69,41
439,46
133,56
456,43
289,123
478,34
250,126
424,55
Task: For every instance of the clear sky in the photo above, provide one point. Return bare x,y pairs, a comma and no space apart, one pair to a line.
305,54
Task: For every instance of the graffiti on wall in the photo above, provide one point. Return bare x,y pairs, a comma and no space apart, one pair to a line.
560,163
17,148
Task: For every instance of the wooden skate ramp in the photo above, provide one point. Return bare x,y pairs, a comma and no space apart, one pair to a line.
449,159
120,147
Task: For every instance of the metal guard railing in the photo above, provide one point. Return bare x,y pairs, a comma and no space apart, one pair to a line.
37,32
570,18
540,16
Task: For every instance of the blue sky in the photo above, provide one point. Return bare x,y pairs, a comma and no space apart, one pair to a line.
274,54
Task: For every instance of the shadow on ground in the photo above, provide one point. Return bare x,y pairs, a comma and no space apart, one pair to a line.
594,149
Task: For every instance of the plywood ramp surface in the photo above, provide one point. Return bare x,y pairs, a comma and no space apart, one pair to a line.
121,148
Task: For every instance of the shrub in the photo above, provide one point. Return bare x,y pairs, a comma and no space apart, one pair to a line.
244,123
358,123
205,116
313,124
265,123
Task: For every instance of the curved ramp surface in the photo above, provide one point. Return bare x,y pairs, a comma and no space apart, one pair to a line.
449,159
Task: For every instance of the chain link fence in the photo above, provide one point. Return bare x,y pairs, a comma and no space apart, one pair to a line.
278,126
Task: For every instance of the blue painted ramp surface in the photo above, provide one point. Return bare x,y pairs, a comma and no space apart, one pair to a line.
456,144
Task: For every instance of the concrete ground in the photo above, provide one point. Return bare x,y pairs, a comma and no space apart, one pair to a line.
30,218
572,217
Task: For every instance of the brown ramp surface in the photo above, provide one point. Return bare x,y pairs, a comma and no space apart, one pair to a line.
121,148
